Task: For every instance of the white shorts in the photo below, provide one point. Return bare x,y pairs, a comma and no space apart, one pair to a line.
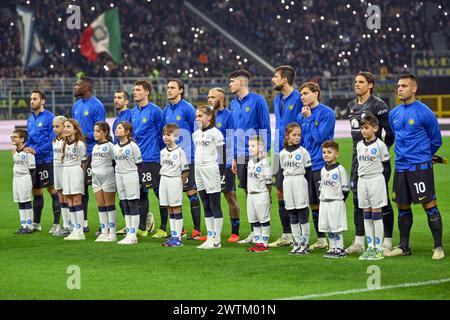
57,176
208,178
372,192
22,187
128,185
258,207
170,191
295,192
73,180
332,216
103,179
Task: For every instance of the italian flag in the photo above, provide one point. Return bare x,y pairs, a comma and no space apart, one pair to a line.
103,35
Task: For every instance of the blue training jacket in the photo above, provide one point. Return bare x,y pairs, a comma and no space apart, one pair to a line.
316,129
249,113
286,111
147,124
224,122
183,114
40,135
87,113
125,115
417,134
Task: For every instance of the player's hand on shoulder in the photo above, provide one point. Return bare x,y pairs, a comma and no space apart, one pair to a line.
306,111
30,150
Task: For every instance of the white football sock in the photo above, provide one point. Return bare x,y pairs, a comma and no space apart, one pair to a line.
387,242
128,223
179,227
103,215
80,217
218,222
296,233
23,218
306,232
258,234
209,221
134,226
370,232
339,240
359,240
172,225
287,236
265,235
65,216
379,232
112,219
29,217
73,219
332,240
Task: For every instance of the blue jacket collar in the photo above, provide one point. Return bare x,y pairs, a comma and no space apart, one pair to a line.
119,113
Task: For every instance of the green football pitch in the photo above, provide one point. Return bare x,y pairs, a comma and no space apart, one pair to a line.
38,266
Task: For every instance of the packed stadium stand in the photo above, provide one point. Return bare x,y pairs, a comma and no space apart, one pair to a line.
321,38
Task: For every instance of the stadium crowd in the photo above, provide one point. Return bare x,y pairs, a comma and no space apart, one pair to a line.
320,37
323,37
153,33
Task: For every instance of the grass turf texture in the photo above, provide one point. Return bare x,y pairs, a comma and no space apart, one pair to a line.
35,266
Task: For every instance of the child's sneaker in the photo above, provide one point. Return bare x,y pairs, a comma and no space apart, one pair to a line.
102,237
295,249
111,238
339,253
304,249
377,254
330,253
176,242
260,248
208,244
366,254
168,243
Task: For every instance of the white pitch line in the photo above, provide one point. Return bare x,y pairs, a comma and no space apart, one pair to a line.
337,293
